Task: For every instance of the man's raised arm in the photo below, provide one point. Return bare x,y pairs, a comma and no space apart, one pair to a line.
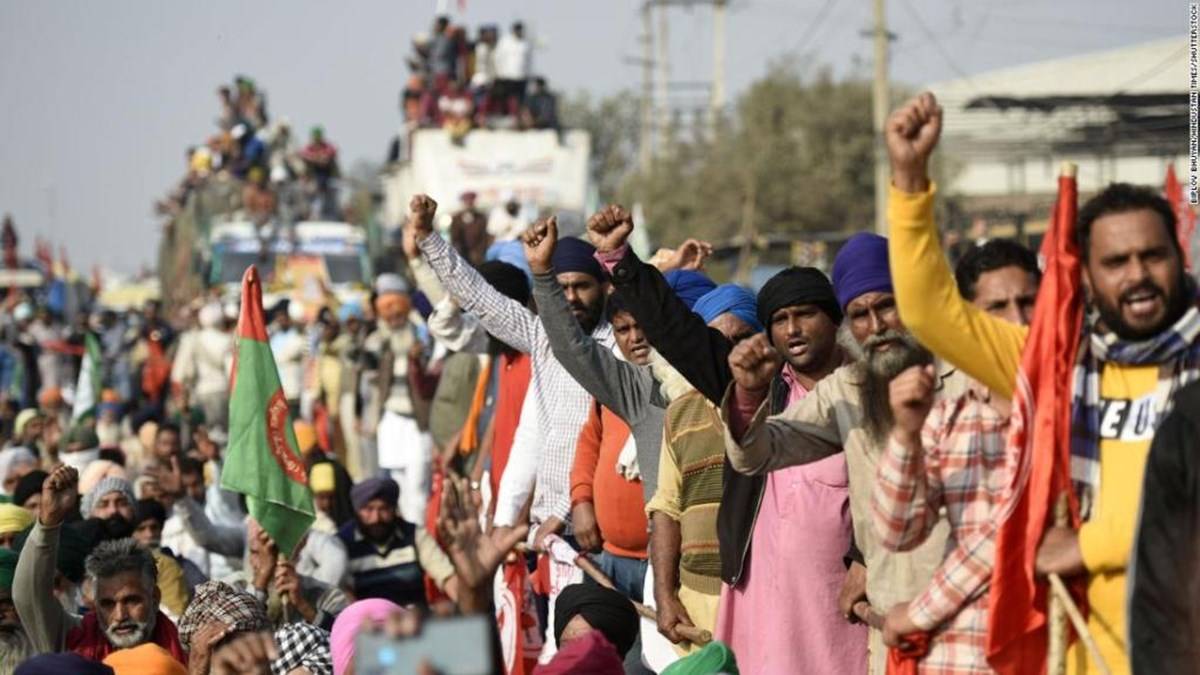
622,387
44,619
986,348
506,319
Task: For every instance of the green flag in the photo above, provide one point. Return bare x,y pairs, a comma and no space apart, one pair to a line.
263,459
87,387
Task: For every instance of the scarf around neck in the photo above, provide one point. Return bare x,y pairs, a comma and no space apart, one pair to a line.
1176,351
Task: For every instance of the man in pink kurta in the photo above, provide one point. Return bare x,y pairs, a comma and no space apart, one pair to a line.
783,616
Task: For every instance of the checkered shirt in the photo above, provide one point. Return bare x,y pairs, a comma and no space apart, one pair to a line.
960,473
302,645
562,404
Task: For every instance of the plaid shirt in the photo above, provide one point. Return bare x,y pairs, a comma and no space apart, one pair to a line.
960,474
561,403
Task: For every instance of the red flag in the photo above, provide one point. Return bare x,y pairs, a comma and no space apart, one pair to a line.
1040,432
1185,215
516,619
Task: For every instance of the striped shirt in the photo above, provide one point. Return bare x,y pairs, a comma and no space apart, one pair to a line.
960,472
561,404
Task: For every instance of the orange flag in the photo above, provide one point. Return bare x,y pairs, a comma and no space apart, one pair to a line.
1040,433
1185,215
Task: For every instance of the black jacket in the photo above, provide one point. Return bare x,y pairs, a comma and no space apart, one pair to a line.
1164,608
700,354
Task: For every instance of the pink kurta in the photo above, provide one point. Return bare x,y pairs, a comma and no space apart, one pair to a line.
783,617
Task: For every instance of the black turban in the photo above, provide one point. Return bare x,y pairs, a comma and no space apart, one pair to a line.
29,485
797,286
506,278
604,609
572,254
148,509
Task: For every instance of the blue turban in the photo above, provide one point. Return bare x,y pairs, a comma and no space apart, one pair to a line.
513,253
689,285
729,299
861,267
573,254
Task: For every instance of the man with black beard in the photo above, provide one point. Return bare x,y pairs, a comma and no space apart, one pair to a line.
1138,344
122,575
849,410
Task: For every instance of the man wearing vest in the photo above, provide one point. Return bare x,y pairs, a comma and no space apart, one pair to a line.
389,556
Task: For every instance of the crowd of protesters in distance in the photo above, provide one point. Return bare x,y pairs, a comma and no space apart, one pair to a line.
458,84
624,466
256,165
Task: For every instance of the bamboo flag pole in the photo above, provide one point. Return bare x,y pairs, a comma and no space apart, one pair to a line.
558,549
1057,618
697,636
1062,607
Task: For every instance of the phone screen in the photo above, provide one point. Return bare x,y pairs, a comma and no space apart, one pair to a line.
454,646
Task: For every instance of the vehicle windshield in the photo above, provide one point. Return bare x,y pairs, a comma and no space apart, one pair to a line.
344,269
230,267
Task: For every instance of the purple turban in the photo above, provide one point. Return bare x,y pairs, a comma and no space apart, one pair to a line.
376,487
861,267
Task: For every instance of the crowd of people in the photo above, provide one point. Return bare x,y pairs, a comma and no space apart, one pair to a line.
265,177
458,84
625,466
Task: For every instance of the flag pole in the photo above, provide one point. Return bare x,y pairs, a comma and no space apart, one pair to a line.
697,636
1057,613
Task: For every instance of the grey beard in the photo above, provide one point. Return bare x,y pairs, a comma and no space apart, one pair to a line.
876,371
14,648
145,630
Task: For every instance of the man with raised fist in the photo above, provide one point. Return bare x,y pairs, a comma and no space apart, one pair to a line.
124,582
1139,342
542,466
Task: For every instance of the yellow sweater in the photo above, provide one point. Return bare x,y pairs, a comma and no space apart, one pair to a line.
989,350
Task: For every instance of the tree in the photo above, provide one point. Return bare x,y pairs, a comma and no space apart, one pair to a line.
612,122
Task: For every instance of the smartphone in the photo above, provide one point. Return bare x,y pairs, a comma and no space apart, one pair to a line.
452,646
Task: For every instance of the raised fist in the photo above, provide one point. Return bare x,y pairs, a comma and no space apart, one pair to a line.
754,363
60,493
609,228
540,240
912,132
421,210
911,396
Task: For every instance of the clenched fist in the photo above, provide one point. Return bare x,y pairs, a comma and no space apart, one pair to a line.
60,493
912,132
754,363
540,240
911,396
421,210
609,228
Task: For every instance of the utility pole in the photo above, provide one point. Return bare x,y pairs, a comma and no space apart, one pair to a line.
646,144
717,101
662,60
879,105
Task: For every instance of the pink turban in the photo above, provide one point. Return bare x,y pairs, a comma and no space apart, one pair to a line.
347,625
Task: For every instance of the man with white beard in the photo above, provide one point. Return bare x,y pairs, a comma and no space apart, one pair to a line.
848,410
124,583
15,646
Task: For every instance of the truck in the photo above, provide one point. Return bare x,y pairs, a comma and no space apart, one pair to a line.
544,170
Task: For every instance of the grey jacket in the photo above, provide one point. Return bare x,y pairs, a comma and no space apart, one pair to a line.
628,390
43,617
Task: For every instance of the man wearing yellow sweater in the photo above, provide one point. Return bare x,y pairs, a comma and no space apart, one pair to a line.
1139,343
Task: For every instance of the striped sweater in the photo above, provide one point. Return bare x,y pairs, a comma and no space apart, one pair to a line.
689,487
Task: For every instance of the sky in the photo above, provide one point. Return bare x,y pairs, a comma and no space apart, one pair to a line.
101,99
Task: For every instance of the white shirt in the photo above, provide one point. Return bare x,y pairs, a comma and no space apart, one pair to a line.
513,58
